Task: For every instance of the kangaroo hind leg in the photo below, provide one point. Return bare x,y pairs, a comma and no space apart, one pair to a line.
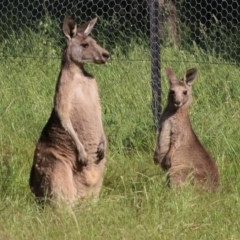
62,184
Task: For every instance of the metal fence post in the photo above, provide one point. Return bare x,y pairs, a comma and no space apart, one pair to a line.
155,18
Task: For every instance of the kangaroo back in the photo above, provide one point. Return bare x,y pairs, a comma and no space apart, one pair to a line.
178,150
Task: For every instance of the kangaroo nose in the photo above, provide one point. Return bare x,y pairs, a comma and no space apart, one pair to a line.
177,103
106,55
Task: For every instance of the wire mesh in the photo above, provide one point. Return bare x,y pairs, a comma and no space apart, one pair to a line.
212,25
120,21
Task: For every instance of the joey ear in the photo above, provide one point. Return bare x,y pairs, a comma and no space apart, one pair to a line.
190,76
87,27
69,27
171,75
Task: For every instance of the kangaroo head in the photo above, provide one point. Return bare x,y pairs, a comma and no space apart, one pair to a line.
180,93
81,48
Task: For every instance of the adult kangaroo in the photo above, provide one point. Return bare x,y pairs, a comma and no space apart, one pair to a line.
178,149
69,158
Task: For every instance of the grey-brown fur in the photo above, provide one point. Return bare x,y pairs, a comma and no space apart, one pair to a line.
69,157
178,149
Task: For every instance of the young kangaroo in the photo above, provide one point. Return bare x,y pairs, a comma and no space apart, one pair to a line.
69,157
178,149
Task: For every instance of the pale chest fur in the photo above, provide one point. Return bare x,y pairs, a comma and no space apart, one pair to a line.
80,93
84,97
179,130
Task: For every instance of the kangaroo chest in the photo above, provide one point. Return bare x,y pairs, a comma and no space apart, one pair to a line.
180,131
85,106
80,98
85,97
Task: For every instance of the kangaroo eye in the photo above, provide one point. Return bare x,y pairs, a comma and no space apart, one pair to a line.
172,92
185,92
85,45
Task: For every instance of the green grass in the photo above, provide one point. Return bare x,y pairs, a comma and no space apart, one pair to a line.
134,202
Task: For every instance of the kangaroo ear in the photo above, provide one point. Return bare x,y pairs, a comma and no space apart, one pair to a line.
190,76
87,27
171,75
69,27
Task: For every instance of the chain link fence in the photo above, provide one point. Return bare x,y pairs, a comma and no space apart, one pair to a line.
119,21
213,26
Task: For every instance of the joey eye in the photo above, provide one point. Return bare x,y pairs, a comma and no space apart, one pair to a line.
185,92
171,92
85,45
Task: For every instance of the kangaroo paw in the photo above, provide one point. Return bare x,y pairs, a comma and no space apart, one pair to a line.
156,158
100,153
82,157
166,163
